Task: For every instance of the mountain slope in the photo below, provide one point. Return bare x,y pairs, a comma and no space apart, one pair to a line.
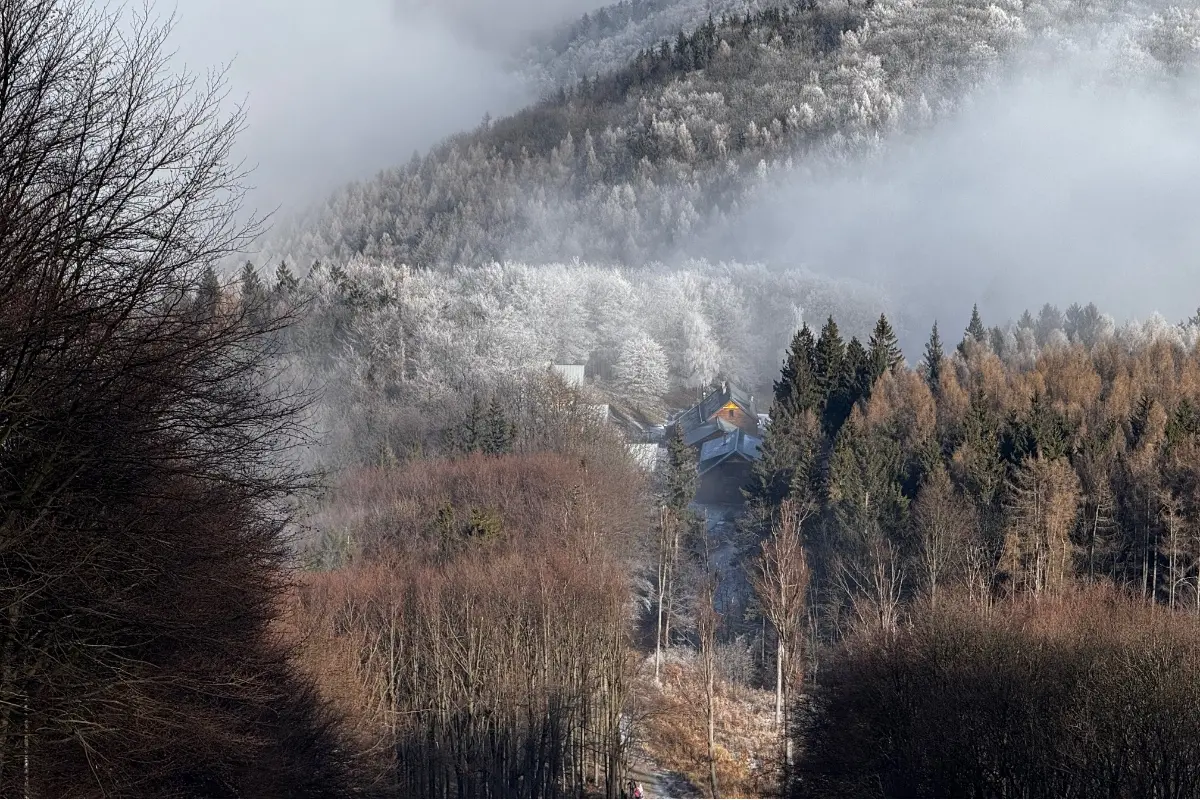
625,168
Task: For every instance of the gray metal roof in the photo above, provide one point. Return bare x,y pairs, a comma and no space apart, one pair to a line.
706,430
703,411
737,443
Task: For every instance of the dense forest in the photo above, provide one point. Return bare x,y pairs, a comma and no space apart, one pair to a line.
311,512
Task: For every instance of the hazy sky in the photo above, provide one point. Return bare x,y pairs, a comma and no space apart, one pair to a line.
338,89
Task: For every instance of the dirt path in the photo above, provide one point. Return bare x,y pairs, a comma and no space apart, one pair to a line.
658,783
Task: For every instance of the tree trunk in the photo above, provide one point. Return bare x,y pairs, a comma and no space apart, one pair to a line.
712,740
780,657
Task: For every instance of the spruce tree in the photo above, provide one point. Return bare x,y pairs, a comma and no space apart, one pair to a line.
864,487
285,282
796,389
497,433
858,375
975,328
884,349
975,331
253,294
829,360
933,360
208,295
996,338
252,288
681,478
787,461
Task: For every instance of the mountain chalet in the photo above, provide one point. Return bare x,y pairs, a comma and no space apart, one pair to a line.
726,429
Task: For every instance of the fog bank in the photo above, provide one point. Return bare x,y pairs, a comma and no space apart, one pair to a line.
338,90
1044,189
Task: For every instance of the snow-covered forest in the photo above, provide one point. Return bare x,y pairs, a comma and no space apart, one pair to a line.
624,168
389,342
397,349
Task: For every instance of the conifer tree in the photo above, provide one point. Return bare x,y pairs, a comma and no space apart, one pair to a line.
933,360
853,384
498,433
996,340
208,295
286,283
787,463
796,389
975,331
254,295
829,360
884,349
681,477
252,288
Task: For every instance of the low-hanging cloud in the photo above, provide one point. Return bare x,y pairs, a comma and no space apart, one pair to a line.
337,90
1048,187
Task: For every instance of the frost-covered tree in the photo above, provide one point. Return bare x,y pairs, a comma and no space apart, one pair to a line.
640,371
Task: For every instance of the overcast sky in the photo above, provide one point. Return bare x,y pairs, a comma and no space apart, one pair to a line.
338,89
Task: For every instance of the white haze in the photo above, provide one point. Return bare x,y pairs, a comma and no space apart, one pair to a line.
338,89
1043,190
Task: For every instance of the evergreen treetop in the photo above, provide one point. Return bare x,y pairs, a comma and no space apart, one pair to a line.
933,359
884,349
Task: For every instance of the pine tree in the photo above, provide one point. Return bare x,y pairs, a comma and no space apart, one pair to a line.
796,389
975,331
285,282
497,433
681,478
933,360
884,349
829,360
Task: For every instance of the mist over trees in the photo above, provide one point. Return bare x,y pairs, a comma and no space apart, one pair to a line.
667,156
399,352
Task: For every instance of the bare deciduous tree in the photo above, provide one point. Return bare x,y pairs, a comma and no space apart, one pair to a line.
943,522
707,621
143,474
780,580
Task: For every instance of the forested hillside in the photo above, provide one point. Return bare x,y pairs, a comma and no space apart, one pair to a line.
400,353
610,37
627,166
956,520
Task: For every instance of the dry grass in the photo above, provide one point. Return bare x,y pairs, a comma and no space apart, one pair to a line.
674,731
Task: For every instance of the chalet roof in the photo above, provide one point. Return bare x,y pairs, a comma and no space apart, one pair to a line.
703,411
699,434
736,444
